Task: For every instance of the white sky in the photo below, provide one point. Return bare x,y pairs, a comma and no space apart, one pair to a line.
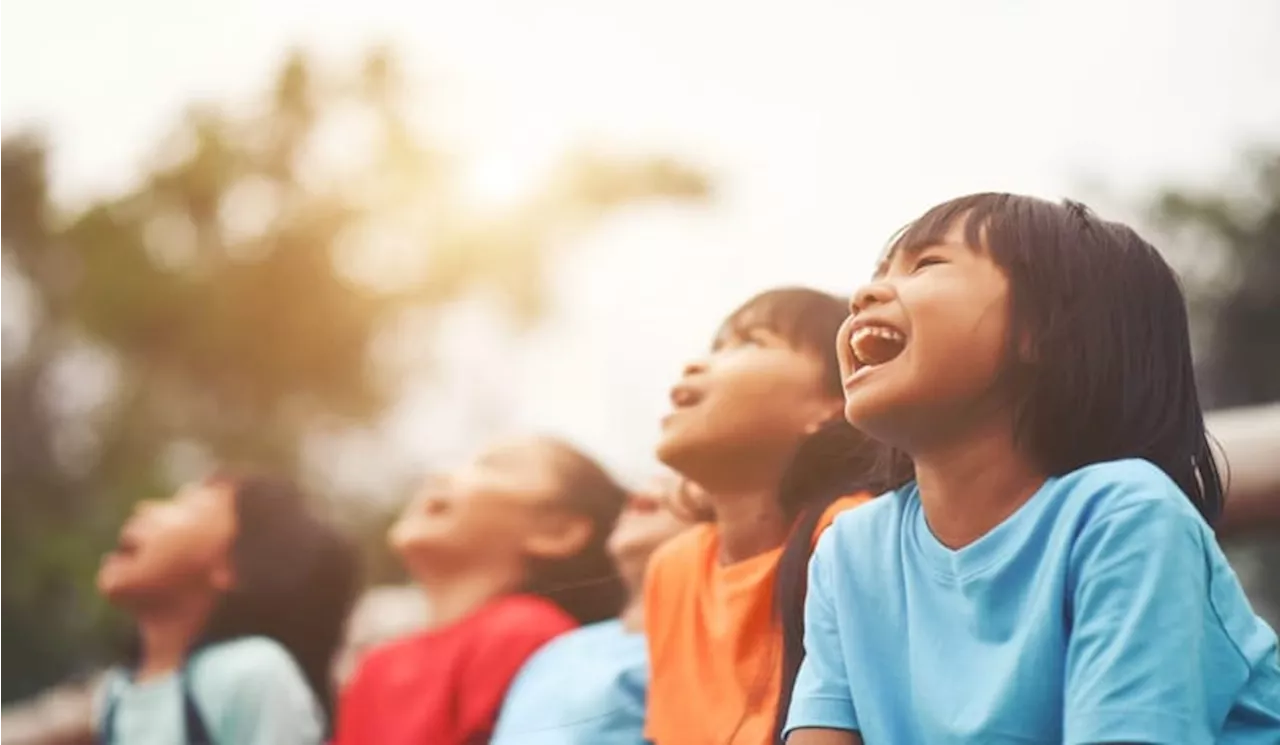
829,124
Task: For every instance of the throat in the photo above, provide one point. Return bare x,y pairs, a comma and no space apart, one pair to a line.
748,525
967,491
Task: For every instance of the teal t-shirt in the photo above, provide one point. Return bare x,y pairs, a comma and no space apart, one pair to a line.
248,691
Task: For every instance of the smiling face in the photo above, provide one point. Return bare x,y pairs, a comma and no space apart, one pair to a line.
923,346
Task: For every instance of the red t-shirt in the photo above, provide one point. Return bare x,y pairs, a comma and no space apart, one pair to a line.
445,686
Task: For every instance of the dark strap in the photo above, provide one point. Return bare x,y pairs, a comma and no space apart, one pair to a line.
196,733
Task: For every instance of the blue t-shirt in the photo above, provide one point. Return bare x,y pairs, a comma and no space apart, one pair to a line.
586,687
1101,611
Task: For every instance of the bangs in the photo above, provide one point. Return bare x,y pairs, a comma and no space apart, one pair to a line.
1007,226
806,319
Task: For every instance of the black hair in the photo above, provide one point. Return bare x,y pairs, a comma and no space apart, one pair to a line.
834,461
296,578
585,585
1098,359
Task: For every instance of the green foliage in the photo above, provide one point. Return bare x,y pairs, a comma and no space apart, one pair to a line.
226,302
1227,244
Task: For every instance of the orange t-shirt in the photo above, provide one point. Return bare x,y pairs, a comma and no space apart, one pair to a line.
715,649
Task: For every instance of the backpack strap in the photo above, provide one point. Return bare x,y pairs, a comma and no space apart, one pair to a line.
194,729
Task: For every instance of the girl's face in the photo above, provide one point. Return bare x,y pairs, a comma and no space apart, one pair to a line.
751,400
647,522
173,546
923,346
503,505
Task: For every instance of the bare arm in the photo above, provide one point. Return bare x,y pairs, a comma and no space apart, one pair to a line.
810,736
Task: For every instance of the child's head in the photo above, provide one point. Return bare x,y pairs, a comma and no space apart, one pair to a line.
250,549
769,380
536,509
651,517
173,549
1069,329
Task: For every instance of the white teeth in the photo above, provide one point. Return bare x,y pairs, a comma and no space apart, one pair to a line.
884,332
875,345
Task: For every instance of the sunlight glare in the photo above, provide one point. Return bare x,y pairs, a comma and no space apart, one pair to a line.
502,180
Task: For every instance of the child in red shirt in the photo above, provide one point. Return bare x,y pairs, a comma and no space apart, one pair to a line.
510,551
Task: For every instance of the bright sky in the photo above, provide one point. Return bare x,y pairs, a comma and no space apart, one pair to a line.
829,124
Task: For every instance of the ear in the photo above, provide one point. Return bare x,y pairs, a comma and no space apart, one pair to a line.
558,537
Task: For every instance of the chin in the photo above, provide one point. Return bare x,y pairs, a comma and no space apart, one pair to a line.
873,418
676,453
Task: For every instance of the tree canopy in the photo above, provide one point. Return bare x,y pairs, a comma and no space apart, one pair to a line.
232,301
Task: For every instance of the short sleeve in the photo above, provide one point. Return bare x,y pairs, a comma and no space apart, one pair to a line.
1137,644
821,698
270,703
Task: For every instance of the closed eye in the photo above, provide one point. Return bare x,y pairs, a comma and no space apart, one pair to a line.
927,261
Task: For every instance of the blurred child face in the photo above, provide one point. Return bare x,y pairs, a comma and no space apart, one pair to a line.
499,507
921,352
750,401
647,522
182,544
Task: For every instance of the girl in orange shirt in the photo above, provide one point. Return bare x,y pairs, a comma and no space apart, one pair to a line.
758,425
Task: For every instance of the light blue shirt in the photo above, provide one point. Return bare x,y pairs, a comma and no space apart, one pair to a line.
1101,611
248,692
586,687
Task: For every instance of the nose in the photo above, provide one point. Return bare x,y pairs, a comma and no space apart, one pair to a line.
694,367
872,293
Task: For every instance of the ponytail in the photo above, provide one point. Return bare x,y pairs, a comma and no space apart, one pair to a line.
835,461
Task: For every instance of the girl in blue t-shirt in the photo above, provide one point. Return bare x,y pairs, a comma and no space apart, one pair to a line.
1051,574
239,594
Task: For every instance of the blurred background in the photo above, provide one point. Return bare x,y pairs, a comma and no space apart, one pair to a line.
356,241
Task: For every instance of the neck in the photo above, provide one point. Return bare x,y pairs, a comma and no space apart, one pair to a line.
632,615
452,597
748,523
167,635
967,488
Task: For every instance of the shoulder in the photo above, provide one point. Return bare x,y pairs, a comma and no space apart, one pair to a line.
1115,492
523,615
603,637
250,678
868,535
872,513
835,509
245,660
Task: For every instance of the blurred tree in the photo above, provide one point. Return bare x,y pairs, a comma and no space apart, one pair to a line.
1226,244
239,298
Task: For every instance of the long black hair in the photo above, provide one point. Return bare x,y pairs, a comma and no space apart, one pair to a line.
1098,359
834,461
296,578
585,585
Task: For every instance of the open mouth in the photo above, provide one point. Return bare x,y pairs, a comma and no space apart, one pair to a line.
876,344
127,545
682,397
